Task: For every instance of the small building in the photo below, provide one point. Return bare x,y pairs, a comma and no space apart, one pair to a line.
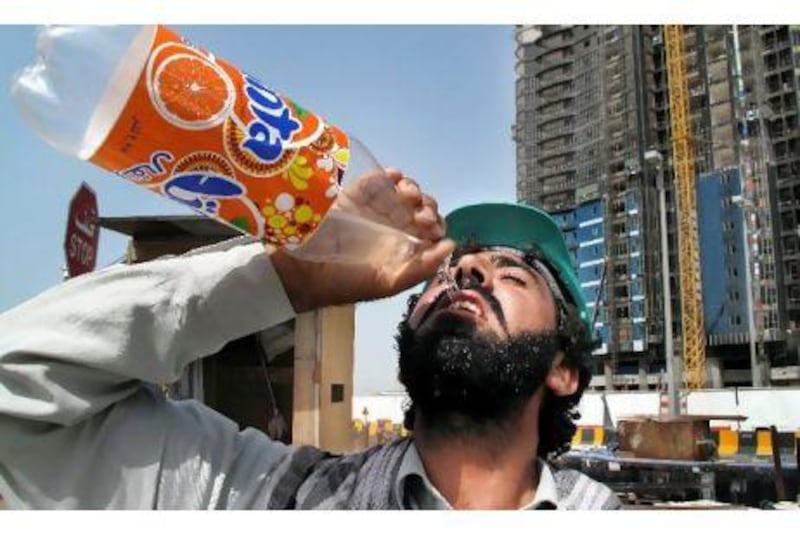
303,368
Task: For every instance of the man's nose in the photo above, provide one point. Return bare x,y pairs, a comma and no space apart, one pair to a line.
472,271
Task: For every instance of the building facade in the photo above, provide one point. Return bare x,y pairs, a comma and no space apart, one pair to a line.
591,102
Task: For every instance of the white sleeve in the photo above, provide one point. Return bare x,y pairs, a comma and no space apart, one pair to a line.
78,424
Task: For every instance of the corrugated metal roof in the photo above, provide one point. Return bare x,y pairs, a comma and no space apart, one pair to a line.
144,227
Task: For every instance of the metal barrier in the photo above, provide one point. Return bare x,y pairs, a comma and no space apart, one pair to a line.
729,442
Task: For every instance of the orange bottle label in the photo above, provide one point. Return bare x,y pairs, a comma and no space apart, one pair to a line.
199,131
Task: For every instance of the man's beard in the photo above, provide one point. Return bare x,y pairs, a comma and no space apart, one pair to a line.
463,382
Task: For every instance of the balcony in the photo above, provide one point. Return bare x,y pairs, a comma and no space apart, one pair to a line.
543,155
556,188
549,59
543,82
553,133
560,113
567,94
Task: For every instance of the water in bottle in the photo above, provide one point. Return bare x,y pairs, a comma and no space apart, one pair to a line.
170,116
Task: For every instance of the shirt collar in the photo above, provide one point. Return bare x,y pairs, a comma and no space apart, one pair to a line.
414,489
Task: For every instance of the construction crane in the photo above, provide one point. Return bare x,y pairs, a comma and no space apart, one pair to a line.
693,332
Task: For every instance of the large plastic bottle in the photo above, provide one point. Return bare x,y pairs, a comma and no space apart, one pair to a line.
144,103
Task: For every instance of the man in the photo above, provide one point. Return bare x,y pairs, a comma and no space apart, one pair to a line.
492,363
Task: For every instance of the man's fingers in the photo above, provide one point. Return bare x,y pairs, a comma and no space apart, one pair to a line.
424,266
410,192
431,202
394,174
428,219
402,205
429,224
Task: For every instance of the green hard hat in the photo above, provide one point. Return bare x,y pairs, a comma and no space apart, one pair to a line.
521,227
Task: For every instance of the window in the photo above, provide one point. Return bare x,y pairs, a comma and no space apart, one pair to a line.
337,393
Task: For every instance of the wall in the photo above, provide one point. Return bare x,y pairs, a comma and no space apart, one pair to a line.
762,407
338,331
318,419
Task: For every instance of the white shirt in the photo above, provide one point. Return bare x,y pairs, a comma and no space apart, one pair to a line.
80,427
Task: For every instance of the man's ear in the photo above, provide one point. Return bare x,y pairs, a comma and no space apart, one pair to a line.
562,380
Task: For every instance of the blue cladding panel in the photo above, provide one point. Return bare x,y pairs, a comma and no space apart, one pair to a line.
722,265
590,233
589,211
566,223
630,200
636,287
636,265
581,225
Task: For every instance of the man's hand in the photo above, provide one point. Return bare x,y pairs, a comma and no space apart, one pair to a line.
311,285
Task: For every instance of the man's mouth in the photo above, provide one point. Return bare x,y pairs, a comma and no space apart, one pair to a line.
464,302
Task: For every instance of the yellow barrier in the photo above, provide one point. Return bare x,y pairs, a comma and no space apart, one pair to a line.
599,435
576,437
728,442
763,442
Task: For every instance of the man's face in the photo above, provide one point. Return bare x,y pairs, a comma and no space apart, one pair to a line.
484,349
497,292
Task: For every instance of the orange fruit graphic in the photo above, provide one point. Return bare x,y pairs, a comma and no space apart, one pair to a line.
191,92
164,50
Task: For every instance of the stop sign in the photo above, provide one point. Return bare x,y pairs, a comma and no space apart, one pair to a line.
80,242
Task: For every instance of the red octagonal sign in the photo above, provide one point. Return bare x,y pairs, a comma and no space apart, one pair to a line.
83,235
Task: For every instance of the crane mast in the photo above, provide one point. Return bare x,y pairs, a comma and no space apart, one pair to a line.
692,328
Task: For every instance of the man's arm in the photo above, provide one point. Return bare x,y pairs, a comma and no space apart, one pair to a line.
73,352
78,425
129,324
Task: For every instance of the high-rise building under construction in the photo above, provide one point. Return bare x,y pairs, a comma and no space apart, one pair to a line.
593,132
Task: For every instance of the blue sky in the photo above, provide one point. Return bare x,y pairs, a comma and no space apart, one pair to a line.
434,101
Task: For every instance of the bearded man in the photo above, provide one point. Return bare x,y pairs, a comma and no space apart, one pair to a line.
492,362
